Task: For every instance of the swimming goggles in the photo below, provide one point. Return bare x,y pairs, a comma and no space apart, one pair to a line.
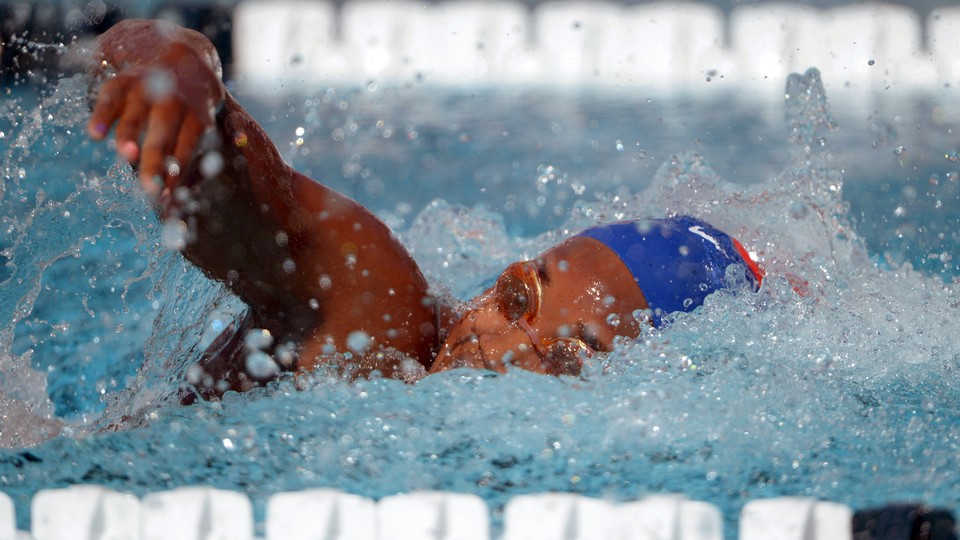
518,293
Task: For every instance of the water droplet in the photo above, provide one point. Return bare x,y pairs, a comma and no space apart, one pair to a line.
613,319
173,167
358,341
195,374
174,234
211,164
899,151
258,340
261,365
160,84
325,282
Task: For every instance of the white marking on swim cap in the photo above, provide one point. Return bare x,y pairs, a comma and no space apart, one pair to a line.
698,230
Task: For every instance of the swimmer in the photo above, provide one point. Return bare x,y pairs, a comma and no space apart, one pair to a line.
325,279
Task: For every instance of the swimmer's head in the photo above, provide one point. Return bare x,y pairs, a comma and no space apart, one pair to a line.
676,262
550,314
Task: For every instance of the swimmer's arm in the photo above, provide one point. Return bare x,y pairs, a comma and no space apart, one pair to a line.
315,266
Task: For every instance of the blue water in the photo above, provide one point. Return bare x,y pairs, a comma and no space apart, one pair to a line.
845,392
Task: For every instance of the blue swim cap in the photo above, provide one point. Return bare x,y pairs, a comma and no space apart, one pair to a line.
676,261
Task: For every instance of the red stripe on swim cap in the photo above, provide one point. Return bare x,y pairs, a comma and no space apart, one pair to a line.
751,264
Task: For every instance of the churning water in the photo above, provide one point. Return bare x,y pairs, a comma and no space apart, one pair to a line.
836,380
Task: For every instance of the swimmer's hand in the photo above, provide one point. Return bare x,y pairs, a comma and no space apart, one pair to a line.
161,88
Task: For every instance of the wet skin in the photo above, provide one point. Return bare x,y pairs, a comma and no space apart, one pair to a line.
314,266
588,294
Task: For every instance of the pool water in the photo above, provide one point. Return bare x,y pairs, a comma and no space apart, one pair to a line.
836,380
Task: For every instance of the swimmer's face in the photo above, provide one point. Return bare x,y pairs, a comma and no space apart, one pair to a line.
547,315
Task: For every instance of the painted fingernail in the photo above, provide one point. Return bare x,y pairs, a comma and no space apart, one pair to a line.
98,129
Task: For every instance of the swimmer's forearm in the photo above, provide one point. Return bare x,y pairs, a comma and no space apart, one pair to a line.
238,199
314,264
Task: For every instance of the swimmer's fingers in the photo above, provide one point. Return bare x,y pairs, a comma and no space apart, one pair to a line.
111,102
188,139
162,127
131,123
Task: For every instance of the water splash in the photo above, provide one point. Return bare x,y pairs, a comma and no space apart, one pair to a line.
834,381
70,276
